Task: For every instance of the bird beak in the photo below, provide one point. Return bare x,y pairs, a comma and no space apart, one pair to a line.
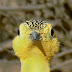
35,35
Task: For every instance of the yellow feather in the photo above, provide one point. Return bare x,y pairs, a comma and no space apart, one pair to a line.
35,64
35,55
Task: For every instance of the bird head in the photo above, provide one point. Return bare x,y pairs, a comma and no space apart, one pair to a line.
36,37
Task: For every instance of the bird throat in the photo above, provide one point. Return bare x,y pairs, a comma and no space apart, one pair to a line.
39,45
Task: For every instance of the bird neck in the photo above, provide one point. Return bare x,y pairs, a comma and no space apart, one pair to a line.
35,64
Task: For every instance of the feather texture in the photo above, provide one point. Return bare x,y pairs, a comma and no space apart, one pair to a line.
35,54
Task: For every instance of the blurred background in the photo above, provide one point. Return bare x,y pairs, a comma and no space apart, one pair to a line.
57,12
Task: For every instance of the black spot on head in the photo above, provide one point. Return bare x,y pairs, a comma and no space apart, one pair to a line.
32,22
41,23
36,21
35,26
27,22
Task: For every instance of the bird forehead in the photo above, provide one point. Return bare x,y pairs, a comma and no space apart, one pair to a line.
36,24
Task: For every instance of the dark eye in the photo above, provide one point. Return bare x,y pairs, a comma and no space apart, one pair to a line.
18,32
52,32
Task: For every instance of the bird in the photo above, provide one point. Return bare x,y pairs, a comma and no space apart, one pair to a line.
36,44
